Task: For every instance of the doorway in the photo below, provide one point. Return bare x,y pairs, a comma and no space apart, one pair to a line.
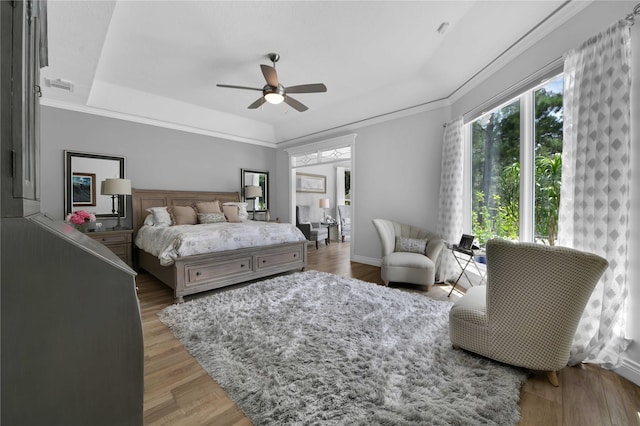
321,171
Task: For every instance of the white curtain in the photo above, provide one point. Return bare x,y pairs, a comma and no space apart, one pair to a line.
451,195
594,203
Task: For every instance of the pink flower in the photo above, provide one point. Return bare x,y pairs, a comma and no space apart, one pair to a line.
80,217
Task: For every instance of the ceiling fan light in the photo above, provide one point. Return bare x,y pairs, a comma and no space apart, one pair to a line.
274,98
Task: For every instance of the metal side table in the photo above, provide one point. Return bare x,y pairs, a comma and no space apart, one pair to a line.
464,258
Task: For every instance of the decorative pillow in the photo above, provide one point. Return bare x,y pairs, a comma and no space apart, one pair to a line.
411,245
148,220
161,216
211,217
183,215
232,213
207,206
242,209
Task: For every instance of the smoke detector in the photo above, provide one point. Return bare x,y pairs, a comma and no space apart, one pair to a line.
59,84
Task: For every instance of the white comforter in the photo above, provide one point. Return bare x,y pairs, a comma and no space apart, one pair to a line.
170,242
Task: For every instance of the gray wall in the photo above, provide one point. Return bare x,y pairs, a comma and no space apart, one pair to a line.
396,176
595,18
156,157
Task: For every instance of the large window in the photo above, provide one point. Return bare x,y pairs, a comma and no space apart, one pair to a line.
516,163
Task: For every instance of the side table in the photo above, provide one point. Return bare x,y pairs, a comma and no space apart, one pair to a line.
118,241
333,231
464,258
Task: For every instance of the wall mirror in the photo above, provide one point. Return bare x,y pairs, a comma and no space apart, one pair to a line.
83,174
256,178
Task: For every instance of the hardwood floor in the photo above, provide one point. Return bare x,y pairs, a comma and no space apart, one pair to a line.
179,392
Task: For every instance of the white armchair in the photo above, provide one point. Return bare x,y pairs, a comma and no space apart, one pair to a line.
409,254
528,312
344,219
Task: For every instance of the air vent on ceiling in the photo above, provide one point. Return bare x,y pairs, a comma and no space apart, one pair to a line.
59,84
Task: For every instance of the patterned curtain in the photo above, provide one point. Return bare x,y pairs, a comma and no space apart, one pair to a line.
594,202
451,195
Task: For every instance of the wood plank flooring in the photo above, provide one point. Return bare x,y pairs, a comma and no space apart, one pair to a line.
179,392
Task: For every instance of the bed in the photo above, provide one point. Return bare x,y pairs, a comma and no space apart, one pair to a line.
201,272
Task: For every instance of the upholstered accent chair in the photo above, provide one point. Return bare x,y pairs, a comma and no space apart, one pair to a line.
312,231
344,219
409,254
528,312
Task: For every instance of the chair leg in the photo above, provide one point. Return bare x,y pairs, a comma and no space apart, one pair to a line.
553,378
343,238
316,244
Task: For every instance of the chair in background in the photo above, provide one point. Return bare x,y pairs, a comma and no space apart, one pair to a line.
344,220
528,312
312,231
409,254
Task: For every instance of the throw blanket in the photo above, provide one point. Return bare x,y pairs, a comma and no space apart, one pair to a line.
168,243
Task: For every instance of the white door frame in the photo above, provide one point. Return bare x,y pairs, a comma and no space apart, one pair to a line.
317,147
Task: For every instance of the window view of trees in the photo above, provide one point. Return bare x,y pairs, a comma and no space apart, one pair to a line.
496,170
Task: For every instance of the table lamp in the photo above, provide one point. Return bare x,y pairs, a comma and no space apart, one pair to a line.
324,204
116,188
251,192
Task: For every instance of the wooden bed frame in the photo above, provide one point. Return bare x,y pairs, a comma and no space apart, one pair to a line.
198,273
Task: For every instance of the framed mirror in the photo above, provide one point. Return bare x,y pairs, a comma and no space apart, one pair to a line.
83,174
258,178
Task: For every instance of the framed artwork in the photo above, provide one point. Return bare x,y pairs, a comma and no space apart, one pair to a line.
84,189
466,241
311,183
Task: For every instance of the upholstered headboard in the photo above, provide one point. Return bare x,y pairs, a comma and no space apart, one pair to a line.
142,199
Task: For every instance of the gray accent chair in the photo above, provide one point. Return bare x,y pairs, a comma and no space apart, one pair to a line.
528,312
403,266
344,219
312,231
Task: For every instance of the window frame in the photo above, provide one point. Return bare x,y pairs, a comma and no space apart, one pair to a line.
525,95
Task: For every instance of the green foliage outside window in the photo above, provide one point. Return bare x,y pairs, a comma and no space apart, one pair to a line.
496,169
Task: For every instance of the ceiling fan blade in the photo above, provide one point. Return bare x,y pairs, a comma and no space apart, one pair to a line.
307,88
257,103
270,75
295,104
230,86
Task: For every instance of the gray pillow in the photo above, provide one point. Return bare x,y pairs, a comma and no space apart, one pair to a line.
411,245
211,217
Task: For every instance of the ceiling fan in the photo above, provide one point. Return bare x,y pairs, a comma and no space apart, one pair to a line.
274,92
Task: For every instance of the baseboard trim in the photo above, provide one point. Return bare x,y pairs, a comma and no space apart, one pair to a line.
366,260
630,370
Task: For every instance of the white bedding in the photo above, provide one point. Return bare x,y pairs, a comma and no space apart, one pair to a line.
170,242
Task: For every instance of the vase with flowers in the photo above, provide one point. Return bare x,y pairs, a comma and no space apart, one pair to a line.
80,219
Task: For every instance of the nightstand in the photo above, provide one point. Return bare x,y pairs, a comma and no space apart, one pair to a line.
118,241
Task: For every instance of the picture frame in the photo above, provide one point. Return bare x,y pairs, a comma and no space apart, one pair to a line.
311,183
83,189
466,242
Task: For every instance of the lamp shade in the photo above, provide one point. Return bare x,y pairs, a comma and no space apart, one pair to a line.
116,187
324,203
252,191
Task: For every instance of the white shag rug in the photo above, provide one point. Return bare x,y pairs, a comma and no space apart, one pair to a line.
316,348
